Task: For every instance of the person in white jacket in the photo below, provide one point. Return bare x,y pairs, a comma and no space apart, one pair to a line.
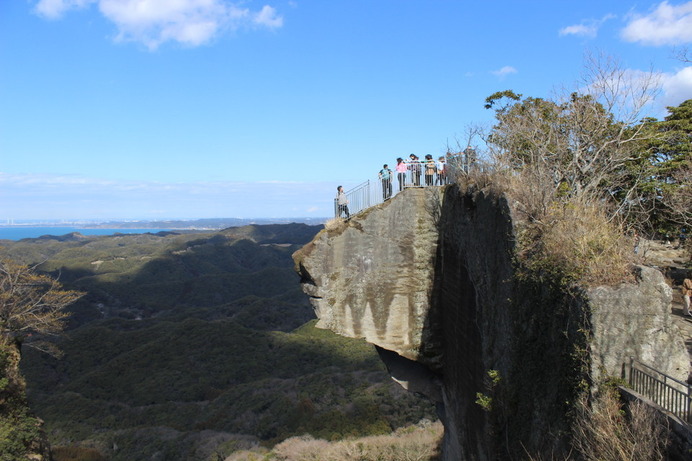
342,202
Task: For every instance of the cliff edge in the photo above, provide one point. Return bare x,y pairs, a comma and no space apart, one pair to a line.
429,278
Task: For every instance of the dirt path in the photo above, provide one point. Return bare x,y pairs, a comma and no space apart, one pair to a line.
685,323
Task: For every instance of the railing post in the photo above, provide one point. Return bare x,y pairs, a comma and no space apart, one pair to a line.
367,195
687,406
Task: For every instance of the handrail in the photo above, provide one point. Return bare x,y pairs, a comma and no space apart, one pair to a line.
376,191
358,199
418,173
666,391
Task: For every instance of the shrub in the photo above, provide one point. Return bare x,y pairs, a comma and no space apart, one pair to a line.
20,432
20,435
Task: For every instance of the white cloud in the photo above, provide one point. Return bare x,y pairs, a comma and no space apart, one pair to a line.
267,17
54,9
588,28
506,70
154,22
665,25
580,29
677,87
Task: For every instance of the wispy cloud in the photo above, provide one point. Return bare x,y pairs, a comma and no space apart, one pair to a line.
269,18
55,9
587,28
504,71
665,25
36,196
154,22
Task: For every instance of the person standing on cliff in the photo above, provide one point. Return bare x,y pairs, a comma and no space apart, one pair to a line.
415,166
342,202
401,169
430,170
441,171
686,295
385,175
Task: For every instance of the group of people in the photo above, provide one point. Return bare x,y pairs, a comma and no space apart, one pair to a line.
409,173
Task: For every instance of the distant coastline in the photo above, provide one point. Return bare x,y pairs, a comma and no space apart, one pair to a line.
23,232
206,223
36,229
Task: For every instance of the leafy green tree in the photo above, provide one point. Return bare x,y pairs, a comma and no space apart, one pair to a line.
661,173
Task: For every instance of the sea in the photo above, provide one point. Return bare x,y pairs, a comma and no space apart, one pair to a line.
22,232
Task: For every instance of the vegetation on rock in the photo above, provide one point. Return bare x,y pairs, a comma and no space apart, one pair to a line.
584,174
587,171
32,308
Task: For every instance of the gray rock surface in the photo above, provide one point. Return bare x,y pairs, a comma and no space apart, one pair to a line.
635,320
429,277
372,277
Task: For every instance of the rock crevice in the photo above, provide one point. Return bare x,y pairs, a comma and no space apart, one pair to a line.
429,278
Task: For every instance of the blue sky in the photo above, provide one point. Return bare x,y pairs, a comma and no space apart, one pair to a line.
160,109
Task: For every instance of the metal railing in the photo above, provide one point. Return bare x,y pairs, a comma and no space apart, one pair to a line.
417,174
376,191
671,394
358,199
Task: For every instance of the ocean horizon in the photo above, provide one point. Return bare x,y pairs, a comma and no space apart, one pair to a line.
22,232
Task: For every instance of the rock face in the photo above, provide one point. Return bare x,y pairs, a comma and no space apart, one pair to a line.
373,278
428,277
634,321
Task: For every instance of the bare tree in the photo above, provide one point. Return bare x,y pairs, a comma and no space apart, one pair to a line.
463,154
32,306
578,144
682,54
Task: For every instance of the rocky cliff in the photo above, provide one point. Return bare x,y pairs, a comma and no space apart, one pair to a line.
429,278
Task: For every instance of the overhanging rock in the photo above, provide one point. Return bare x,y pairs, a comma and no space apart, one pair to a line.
372,277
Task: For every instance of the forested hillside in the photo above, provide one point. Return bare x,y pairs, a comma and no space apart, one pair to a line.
190,346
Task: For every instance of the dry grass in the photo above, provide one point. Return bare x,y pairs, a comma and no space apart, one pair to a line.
588,247
76,454
334,224
604,431
414,443
570,235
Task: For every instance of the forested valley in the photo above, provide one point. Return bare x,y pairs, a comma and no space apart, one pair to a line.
194,345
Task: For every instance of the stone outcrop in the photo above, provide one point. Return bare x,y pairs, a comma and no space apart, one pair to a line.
634,321
429,278
373,277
